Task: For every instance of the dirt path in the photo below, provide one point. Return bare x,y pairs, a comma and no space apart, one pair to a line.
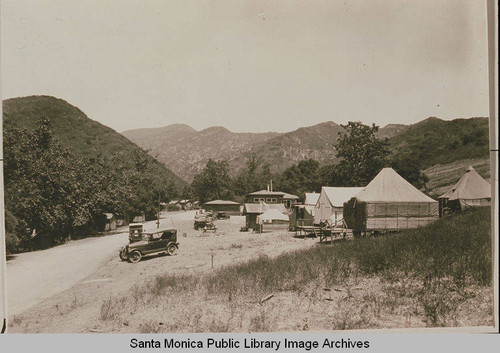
62,289
34,276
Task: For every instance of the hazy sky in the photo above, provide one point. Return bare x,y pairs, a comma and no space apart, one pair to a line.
249,65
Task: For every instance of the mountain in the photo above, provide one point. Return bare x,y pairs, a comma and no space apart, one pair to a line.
431,141
186,151
436,141
78,133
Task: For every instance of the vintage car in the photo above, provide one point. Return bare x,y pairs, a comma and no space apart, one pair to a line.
202,220
152,243
222,215
135,232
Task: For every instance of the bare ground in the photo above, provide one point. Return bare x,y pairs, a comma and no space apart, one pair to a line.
99,293
62,289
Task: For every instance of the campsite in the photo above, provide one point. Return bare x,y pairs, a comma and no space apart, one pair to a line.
253,272
247,166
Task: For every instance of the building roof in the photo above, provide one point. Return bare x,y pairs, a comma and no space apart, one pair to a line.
389,186
262,207
338,195
273,193
471,186
221,202
311,198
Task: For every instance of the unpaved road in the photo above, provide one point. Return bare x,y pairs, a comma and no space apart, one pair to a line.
61,290
34,276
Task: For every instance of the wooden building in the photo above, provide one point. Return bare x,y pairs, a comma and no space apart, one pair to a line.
229,207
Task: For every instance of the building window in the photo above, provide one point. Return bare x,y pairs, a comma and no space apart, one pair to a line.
271,200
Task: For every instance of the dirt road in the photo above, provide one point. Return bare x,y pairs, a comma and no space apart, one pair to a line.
34,276
62,289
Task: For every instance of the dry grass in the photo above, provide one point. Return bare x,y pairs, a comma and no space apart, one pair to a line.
434,276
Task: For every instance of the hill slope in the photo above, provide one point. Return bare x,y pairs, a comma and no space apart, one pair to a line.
435,141
186,151
430,142
78,133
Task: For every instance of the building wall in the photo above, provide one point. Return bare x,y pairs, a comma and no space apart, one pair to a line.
229,209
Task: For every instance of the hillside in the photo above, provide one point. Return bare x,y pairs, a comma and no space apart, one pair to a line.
316,142
78,133
430,142
435,141
186,151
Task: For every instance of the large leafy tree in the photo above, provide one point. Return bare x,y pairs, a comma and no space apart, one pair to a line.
256,175
51,194
213,182
301,178
362,155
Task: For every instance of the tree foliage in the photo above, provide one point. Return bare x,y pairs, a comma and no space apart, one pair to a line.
213,182
52,194
362,155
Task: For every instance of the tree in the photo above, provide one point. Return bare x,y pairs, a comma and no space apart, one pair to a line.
213,182
301,178
362,155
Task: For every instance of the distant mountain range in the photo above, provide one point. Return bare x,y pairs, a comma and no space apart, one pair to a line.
185,150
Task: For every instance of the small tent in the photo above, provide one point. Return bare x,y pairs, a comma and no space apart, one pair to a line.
470,191
389,202
330,204
271,215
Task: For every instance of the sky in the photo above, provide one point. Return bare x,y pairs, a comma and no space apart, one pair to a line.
251,66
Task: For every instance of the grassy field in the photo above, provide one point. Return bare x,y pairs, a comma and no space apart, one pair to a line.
439,275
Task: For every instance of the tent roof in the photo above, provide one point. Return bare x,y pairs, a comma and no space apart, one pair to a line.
389,186
311,198
263,207
471,186
221,202
338,195
273,214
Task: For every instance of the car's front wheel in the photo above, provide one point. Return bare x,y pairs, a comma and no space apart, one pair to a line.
172,249
123,256
135,256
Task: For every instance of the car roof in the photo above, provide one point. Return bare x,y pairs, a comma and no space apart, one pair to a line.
161,231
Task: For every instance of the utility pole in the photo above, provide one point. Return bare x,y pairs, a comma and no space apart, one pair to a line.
3,252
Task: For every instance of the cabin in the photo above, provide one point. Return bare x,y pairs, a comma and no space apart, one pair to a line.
272,197
110,221
228,207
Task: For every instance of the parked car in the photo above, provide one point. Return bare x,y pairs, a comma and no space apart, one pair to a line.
162,241
135,232
201,221
222,215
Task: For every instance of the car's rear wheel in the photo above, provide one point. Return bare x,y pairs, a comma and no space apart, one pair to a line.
135,256
171,249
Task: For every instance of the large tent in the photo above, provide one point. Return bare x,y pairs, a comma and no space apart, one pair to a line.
470,191
330,204
389,202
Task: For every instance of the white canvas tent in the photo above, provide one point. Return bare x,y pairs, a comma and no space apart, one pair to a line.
470,191
272,215
389,202
330,204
